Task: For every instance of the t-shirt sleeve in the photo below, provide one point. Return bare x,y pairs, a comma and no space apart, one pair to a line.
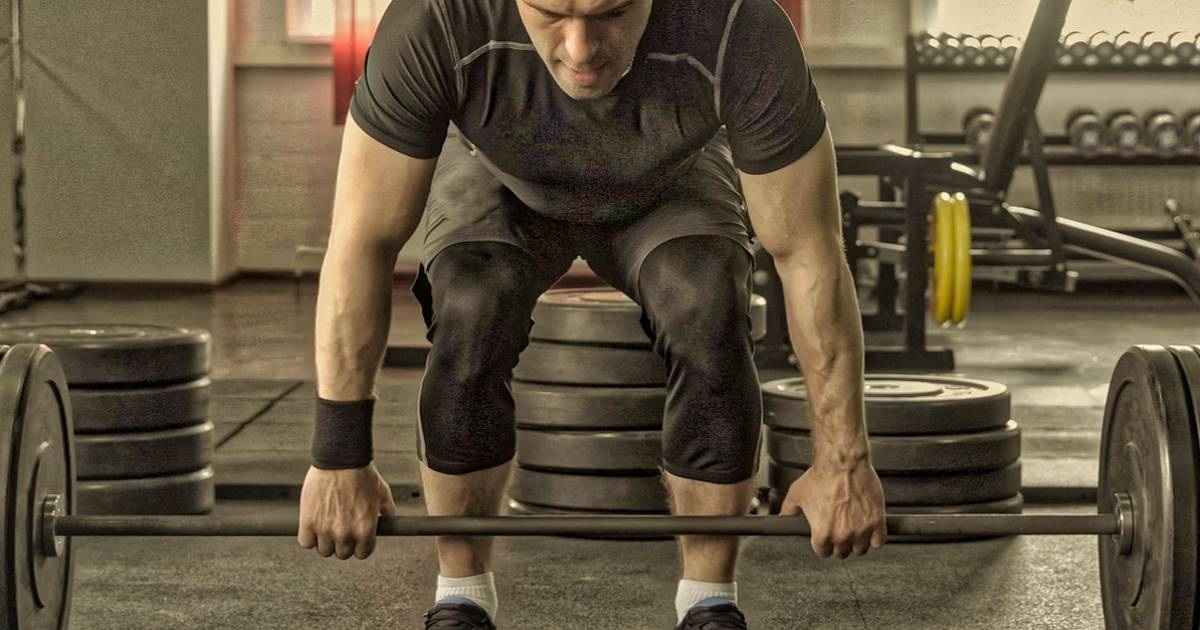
768,100
407,91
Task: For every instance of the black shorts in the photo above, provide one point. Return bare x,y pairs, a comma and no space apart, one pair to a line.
476,295
467,203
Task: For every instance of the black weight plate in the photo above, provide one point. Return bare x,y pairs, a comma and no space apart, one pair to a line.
585,492
188,493
563,364
1148,450
1193,379
119,354
144,409
1010,505
899,404
144,453
590,452
516,508
598,408
605,316
947,452
947,489
36,460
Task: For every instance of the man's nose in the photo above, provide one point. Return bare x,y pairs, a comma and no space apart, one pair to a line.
581,43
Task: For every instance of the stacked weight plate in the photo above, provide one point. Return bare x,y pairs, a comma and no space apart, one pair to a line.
941,445
139,396
589,394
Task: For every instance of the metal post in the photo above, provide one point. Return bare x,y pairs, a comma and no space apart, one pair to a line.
18,146
916,263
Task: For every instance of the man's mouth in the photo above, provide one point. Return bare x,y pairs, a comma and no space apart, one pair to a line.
585,78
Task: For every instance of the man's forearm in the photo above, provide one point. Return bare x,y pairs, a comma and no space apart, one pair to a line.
354,306
825,327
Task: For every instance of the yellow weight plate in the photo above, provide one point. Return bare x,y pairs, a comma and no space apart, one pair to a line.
941,302
962,260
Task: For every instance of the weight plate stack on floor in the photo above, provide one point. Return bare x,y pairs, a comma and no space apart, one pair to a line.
589,396
941,445
140,401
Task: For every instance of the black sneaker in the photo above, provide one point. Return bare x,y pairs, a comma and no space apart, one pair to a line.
460,614
723,616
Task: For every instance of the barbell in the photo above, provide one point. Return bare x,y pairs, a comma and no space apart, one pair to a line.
1146,519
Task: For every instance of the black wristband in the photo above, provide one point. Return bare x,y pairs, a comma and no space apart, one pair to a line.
342,434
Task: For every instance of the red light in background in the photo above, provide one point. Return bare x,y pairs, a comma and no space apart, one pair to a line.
795,11
354,30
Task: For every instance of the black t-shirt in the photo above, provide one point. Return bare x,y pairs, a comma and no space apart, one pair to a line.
701,65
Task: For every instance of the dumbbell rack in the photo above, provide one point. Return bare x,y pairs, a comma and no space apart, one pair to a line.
915,174
1051,149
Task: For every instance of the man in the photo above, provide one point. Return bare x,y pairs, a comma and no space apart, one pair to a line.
609,129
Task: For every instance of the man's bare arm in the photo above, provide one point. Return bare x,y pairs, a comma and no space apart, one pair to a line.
377,206
797,217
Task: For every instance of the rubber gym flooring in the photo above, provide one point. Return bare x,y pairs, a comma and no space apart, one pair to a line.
1055,352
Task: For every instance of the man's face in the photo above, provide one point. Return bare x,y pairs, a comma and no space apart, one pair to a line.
586,44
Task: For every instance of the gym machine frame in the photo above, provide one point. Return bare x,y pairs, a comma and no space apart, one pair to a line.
917,176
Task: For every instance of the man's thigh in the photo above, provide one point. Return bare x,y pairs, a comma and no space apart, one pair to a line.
706,202
467,204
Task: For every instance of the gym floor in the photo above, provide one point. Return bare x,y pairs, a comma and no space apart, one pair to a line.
1055,352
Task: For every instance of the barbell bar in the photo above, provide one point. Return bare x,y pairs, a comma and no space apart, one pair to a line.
1116,524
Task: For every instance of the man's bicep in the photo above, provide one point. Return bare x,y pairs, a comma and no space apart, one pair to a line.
381,193
795,210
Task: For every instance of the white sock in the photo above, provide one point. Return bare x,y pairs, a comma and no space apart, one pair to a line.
692,592
480,589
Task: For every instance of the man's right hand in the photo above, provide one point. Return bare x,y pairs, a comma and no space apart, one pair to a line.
340,509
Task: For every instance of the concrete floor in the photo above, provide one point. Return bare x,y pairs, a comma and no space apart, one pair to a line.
1055,352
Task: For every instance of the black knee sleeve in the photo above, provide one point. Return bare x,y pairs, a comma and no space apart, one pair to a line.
696,299
477,299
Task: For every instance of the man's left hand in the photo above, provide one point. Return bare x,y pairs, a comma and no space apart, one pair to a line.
844,508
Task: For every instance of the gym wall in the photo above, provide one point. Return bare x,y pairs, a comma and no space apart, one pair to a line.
139,170
127,140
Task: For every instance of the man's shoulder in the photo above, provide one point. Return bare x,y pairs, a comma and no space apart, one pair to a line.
705,25
473,23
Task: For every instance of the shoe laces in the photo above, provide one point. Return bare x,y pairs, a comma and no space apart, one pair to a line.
721,617
456,617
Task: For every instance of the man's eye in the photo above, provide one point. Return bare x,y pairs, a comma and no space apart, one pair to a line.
615,14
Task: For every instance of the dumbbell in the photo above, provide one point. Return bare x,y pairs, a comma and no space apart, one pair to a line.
1086,130
1156,49
952,45
992,51
929,50
1073,49
1191,130
1186,47
1128,46
1104,47
977,127
1010,45
971,51
1164,133
1124,131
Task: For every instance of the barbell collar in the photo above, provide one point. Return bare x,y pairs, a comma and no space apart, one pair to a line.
902,525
